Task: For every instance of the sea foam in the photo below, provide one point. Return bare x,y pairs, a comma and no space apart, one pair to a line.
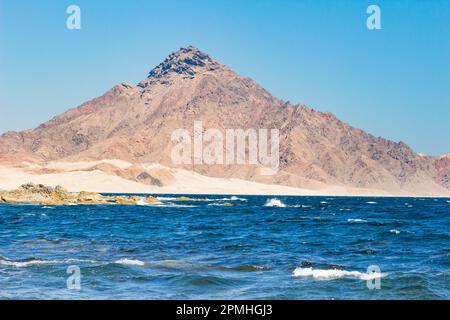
357,220
330,274
130,262
274,203
141,202
33,262
166,198
232,198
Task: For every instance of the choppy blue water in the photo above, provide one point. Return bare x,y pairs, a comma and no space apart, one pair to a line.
312,248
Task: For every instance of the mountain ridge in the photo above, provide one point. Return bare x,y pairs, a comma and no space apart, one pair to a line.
134,123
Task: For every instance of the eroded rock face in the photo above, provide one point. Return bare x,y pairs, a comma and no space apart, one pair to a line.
31,193
442,166
187,61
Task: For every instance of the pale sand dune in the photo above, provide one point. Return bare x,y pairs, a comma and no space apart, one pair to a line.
98,181
83,165
77,177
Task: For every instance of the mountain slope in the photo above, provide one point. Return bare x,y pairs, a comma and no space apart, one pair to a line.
135,122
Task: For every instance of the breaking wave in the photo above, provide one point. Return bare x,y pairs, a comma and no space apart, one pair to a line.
232,198
330,274
274,203
130,262
356,220
141,202
23,263
166,198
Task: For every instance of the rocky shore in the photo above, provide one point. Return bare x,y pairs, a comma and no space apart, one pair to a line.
31,193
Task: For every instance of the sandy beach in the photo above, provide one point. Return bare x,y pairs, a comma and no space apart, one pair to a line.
84,176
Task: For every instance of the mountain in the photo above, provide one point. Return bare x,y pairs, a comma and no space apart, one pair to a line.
134,123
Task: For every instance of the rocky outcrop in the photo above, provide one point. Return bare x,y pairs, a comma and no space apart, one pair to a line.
44,195
187,61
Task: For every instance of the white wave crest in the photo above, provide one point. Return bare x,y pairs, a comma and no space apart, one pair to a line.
331,274
130,262
234,198
141,202
394,231
357,220
33,262
371,202
274,203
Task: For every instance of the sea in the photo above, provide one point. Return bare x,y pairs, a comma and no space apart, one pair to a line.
228,247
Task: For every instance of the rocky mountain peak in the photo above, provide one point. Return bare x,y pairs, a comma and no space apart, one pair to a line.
186,61
135,124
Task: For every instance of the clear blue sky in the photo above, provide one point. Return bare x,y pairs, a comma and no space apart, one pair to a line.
393,82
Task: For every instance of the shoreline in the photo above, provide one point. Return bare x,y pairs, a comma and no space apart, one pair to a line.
77,177
278,195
